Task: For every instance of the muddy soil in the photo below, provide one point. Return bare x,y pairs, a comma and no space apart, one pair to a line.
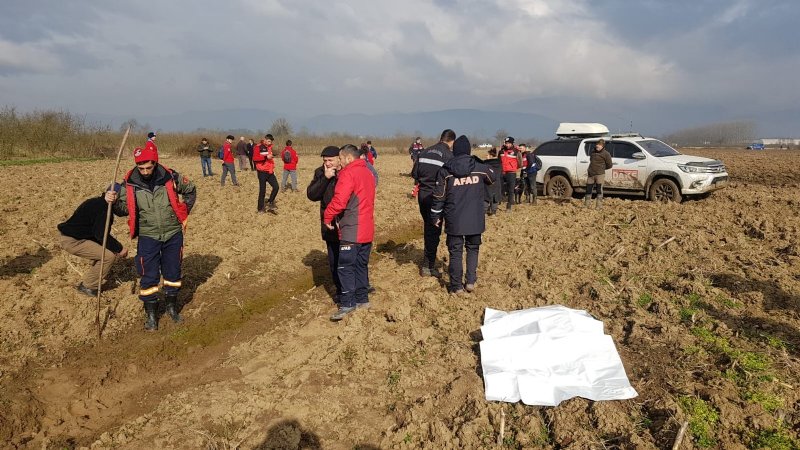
701,299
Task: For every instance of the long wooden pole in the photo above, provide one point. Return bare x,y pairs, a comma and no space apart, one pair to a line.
105,233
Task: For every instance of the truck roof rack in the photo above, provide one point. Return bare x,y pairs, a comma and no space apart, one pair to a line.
571,129
621,135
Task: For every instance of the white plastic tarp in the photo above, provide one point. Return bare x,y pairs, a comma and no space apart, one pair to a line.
546,355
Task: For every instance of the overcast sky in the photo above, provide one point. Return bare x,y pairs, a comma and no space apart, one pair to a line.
306,57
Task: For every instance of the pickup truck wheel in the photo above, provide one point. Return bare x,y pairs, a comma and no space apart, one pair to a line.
559,187
665,190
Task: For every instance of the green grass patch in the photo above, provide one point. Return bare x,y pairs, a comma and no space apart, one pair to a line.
693,350
31,162
748,361
393,379
728,302
687,314
703,420
774,439
776,342
644,300
770,402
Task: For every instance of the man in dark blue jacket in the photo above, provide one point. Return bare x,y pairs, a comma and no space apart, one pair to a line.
458,197
426,166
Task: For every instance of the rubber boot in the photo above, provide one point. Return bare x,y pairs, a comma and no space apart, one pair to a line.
586,200
172,308
598,202
151,324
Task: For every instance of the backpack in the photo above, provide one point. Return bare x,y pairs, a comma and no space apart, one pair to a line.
221,153
287,156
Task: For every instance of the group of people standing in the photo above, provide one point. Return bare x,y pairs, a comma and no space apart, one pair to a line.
456,190
246,153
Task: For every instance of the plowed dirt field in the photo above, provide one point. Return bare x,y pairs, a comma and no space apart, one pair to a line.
701,298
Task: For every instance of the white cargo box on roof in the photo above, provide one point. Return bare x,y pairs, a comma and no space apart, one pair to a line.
582,129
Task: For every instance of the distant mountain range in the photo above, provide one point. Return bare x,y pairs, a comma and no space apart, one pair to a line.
532,118
472,122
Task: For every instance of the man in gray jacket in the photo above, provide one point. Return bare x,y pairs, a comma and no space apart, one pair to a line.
241,154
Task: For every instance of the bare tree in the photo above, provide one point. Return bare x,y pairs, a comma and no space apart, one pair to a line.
501,134
281,127
726,133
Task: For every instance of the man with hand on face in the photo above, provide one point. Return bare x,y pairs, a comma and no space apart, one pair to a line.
321,190
351,210
158,216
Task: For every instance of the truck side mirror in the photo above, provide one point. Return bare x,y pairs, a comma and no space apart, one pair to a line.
638,155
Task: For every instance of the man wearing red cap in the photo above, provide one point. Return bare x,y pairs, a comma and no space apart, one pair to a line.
158,216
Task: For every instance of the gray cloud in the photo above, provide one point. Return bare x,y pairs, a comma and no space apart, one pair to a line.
307,57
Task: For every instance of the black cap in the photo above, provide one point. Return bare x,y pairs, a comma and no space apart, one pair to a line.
329,151
461,146
509,140
230,137
151,135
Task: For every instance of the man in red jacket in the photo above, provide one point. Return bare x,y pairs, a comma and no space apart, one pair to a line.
150,145
290,159
227,161
352,211
510,161
264,160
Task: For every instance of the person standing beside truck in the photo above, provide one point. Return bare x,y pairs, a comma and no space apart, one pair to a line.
599,162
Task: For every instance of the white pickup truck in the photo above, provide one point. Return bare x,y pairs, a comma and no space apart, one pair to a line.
641,166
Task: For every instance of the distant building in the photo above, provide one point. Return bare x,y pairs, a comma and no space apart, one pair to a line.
778,142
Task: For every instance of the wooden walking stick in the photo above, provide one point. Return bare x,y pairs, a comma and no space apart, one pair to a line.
105,233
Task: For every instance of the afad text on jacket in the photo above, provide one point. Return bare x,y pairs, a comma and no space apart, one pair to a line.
459,195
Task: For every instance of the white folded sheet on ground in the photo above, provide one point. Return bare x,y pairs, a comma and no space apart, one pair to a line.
546,355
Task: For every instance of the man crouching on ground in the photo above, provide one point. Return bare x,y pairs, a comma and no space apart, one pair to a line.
352,211
149,197
458,197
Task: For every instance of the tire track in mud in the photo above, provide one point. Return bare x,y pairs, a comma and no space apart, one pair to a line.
94,387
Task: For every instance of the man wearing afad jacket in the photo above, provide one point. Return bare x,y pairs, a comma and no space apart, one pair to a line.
458,198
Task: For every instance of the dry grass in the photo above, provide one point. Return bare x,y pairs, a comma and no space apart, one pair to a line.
64,135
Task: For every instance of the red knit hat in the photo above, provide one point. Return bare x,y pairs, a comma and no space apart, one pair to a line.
141,155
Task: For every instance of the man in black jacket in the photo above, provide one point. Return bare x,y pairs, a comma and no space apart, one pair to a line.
321,190
494,191
82,235
459,199
426,166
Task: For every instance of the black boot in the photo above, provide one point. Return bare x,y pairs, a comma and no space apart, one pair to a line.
151,324
172,308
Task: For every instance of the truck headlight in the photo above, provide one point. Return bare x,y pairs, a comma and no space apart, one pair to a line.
697,169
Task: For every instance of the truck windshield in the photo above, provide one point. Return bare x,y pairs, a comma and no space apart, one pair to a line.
658,148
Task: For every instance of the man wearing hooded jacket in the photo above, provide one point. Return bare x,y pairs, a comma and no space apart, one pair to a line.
149,197
458,198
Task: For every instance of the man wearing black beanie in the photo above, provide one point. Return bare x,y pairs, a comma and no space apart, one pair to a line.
458,198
